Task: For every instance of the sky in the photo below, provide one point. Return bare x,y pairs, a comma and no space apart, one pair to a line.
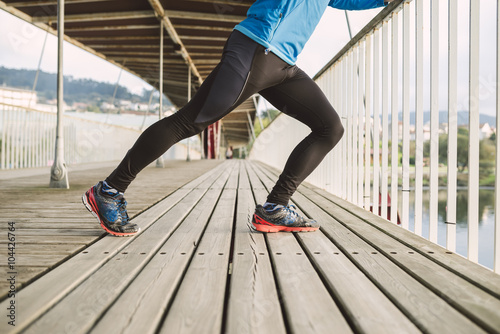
21,44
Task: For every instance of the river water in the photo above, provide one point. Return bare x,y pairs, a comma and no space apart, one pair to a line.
486,221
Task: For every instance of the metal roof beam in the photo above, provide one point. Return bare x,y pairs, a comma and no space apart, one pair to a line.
164,16
210,47
127,46
203,27
204,38
237,110
234,121
177,14
146,60
119,38
230,129
108,28
227,2
178,96
98,16
50,2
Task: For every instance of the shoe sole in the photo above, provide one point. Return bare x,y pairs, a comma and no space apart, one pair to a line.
271,228
92,210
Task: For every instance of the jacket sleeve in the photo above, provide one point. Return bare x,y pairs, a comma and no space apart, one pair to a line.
356,4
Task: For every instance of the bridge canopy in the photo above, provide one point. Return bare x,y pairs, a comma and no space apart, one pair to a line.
127,34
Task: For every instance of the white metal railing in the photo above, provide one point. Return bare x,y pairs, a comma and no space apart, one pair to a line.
394,67
28,139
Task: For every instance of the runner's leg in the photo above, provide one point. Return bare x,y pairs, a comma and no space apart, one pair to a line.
301,98
221,92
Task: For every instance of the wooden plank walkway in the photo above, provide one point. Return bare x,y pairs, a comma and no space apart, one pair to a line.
198,267
52,225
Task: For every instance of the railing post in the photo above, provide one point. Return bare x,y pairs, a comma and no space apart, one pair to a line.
368,106
473,184
159,161
2,158
251,125
406,117
385,117
394,117
343,98
348,129
434,144
376,120
361,94
419,114
188,157
256,104
451,204
58,172
496,255
354,121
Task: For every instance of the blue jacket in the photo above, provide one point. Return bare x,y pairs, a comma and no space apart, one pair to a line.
284,26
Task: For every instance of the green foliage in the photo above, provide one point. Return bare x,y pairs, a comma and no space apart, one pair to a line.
487,154
462,149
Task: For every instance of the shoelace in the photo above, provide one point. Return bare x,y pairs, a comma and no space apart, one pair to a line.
122,209
290,211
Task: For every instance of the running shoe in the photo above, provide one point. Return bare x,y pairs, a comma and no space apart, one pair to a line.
279,218
110,208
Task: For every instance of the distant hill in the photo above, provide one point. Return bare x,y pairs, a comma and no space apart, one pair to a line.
75,90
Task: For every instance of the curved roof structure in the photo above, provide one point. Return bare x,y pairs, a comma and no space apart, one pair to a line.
127,33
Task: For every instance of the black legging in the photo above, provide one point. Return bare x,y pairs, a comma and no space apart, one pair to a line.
245,69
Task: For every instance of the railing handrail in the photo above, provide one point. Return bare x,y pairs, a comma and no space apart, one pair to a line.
361,34
137,129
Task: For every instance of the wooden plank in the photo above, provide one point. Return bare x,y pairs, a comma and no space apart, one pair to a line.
42,294
60,239
253,305
27,222
368,312
198,305
82,307
23,275
41,212
151,292
476,274
25,225
308,306
429,312
100,289
475,303
41,260
62,232
42,249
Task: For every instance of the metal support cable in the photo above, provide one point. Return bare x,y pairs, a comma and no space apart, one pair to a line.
39,66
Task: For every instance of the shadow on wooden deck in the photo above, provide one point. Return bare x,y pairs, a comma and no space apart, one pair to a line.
198,267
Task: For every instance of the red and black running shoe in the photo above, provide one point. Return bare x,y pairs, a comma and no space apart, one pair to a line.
110,208
279,218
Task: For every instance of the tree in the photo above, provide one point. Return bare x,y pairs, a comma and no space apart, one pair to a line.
462,149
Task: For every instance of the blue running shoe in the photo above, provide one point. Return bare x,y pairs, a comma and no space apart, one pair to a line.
279,218
110,208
